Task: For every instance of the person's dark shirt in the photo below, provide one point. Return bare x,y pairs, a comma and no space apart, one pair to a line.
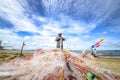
59,41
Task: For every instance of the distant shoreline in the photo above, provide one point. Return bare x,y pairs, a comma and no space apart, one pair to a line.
104,53
109,57
101,53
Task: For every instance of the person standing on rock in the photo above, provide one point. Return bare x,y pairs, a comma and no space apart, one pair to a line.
59,40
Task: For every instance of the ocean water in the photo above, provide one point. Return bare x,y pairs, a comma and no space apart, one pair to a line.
101,53
104,53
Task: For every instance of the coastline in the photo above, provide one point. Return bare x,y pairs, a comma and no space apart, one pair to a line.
110,57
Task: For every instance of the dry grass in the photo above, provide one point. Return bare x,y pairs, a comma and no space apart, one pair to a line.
112,64
7,55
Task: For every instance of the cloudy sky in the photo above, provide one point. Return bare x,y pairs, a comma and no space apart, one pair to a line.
37,22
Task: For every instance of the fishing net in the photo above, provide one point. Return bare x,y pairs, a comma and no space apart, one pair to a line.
52,65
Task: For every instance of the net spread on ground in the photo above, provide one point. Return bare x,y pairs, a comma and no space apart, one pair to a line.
52,65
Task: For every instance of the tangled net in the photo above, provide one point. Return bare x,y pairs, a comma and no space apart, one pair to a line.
52,65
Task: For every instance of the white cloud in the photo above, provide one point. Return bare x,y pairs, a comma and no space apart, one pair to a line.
105,32
42,19
111,44
115,29
81,7
15,12
93,12
10,8
87,36
39,18
81,28
34,42
10,39
27,38
52,28
25,25
76,28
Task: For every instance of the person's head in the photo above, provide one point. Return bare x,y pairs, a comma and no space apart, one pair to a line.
60,34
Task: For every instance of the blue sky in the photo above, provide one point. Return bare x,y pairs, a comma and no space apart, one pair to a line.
37,22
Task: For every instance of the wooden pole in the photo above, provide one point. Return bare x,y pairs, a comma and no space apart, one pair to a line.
0,43
21,54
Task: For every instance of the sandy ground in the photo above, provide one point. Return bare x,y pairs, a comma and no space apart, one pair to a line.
112,64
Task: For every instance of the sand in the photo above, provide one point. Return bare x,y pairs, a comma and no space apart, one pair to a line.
112,64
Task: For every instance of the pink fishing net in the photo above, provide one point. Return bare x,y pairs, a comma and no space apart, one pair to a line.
52,65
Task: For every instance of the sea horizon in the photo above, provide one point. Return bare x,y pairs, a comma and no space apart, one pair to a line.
101,53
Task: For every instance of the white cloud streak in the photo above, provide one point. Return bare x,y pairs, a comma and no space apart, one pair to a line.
15,13
18,12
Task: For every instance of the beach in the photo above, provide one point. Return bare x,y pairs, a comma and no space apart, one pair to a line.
112,64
